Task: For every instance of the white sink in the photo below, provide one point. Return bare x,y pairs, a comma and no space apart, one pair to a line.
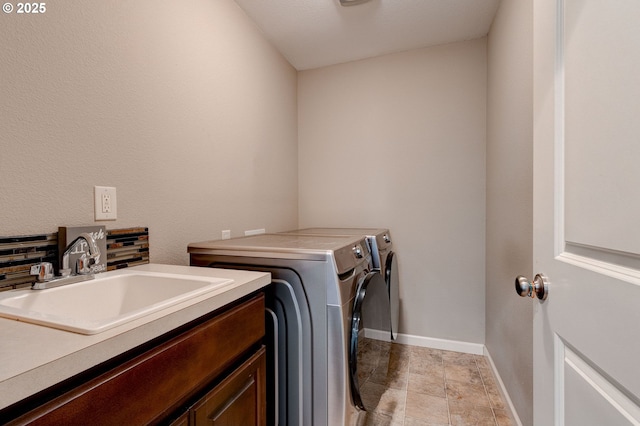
109,300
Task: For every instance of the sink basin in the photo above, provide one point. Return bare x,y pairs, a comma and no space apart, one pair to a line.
109,300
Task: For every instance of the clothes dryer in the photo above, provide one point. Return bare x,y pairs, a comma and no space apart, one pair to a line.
320,357
383,259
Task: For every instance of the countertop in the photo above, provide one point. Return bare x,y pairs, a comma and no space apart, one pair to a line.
34,357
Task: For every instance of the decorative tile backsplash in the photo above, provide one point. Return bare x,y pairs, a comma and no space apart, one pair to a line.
17,254
125,247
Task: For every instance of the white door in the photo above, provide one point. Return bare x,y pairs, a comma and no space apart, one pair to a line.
587,212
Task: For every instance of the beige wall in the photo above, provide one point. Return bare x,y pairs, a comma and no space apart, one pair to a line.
182,106
398,141
510,199
193,116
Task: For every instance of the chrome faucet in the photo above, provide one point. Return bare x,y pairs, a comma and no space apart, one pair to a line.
81,270
84,263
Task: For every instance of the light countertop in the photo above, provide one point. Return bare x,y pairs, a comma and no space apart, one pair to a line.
34,357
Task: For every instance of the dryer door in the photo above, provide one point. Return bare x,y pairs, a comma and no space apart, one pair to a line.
368,358
393,288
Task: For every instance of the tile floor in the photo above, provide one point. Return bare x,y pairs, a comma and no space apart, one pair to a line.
433,387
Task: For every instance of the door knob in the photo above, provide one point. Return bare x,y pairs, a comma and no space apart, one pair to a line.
539,287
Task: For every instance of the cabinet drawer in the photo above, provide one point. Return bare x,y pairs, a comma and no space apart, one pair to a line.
147,388
238,400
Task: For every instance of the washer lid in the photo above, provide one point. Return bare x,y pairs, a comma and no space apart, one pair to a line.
339,231
281,242
379,236
342,248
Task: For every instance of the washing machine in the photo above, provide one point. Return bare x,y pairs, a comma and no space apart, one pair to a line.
320,359
383,259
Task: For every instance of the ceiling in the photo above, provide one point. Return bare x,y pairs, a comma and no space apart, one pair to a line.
317,33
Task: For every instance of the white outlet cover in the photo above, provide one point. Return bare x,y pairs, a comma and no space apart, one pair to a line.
99,193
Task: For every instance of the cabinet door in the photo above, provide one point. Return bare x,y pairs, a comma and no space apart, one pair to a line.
238,400
145,389
183,420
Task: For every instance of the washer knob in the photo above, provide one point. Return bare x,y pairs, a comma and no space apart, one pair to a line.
386,238
357,250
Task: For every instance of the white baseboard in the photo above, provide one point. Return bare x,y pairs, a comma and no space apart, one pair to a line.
503,389
428,342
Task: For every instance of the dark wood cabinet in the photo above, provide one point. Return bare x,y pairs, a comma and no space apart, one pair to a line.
238,400
183,420
221,357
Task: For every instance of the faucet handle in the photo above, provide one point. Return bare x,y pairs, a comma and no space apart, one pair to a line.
84,263
43,271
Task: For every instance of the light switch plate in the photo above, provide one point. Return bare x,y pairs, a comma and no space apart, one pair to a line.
105,203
